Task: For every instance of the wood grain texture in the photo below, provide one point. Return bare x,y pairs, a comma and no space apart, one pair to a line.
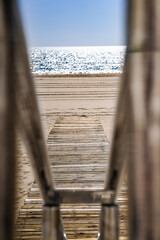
79,162
29,121
109,223
7,121
118,154
144,125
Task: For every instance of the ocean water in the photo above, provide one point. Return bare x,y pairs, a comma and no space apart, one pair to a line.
76,60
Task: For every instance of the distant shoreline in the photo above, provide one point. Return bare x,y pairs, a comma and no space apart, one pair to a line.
77,75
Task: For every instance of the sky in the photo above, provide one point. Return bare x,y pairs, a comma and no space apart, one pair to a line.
74,22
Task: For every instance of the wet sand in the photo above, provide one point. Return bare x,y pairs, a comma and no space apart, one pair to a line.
70,95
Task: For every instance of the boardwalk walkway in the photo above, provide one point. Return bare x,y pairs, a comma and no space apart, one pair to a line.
78,152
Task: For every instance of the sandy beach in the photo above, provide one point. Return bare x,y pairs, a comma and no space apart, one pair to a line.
68,95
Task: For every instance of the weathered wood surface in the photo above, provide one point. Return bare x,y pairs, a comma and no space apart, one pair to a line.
7,121
29,120
144,126
118,154
108,229
78,151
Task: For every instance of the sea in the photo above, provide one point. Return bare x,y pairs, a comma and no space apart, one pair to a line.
76,60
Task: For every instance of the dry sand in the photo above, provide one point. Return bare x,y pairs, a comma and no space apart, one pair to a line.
70,95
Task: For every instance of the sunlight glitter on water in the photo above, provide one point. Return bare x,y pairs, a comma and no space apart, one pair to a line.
76,60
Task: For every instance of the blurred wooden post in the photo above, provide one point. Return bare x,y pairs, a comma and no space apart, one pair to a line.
52,224
31,129
28,114
117,160
117,166
7,121
109,222
144,125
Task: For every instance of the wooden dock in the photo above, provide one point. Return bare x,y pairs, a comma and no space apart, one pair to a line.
78,152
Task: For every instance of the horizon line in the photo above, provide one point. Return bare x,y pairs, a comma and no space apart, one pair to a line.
77,46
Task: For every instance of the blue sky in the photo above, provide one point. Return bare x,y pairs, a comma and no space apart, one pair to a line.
74,22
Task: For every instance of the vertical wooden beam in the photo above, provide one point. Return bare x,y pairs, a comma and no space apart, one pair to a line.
118,154
109,222
144,125
7,121
52,224
29,116
117,160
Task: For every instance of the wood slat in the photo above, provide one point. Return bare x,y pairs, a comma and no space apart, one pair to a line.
74,165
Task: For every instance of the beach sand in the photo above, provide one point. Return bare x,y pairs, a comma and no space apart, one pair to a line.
69,95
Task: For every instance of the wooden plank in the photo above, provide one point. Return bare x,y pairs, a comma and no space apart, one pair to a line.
73,171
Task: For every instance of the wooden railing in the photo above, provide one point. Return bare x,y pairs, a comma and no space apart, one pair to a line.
18,100
136,138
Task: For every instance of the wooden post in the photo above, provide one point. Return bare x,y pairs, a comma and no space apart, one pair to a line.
28,115
109,222
7,121
117,160
52,224
144,125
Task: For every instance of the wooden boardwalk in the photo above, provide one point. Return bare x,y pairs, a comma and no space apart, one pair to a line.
78,152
